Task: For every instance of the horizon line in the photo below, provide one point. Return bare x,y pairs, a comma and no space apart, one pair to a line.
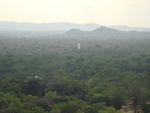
77,23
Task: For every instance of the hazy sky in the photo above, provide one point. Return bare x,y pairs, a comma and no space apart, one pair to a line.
103,12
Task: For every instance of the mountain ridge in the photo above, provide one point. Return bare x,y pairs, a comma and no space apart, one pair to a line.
56,26
62,26
106,33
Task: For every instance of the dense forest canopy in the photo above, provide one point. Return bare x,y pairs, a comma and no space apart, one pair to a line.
50,75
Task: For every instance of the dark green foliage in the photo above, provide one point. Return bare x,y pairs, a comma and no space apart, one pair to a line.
70,108
90,109
147,60
145,108
117,104
66,86
84,74
62,99
102,99
7,63
37,110
118,97
33,87
9,103
44,105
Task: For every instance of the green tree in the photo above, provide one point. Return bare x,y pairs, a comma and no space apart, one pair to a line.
44,105
103,99
90,109
9,103
118,97
110,110
37,110
138,95
50,96
29,102
34,87
70,108
145,108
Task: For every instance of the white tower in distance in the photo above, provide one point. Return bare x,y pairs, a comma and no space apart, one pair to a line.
78,45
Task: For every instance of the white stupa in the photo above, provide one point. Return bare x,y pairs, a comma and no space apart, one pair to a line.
78,45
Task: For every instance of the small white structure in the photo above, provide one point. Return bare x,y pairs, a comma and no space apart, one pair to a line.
37,77
78,45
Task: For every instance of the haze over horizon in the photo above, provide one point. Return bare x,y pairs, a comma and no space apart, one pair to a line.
109,12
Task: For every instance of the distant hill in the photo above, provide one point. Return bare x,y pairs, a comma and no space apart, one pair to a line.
14,29
58,26
127,28
106,33
61,26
